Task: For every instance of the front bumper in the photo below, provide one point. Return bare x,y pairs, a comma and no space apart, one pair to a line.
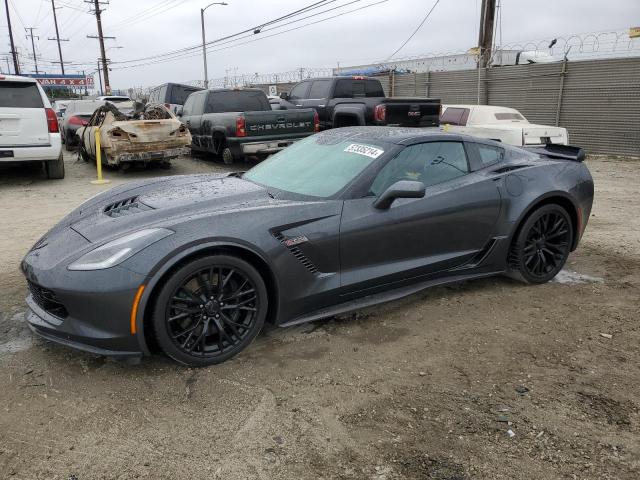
87,310
79,334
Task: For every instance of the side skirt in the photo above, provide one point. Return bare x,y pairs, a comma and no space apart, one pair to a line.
383,297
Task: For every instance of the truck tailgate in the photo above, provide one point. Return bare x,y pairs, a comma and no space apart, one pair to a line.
279,122
412,112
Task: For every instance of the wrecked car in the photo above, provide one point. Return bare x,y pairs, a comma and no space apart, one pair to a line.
133,133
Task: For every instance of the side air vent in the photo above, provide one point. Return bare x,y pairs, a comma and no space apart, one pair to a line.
509,168
128,206
302,258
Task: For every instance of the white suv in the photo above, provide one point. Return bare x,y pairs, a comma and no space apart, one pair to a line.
28,125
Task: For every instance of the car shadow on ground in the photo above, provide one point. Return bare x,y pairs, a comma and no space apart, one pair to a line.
272,343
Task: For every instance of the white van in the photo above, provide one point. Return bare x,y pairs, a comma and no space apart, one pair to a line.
29,129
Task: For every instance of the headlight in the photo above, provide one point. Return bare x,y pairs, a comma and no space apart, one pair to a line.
117,251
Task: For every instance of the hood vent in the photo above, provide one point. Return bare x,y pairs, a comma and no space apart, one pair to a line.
302,258
128,206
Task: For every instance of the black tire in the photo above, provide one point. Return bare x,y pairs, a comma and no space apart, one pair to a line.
543,245
68,144
193,325
228,157
85,156
55,168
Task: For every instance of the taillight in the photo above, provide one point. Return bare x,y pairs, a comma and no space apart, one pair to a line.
73,120
380,113
240,130
52,120
316,121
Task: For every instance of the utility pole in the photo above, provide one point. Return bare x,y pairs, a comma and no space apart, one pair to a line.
105,69
100,78
13,47
58,39
485,34
33,46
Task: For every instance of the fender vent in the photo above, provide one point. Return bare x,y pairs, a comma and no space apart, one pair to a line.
128,206
302,258
509,168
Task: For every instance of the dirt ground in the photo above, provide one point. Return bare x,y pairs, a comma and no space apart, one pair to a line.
485,380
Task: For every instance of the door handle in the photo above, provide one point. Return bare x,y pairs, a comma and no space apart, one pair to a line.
298,105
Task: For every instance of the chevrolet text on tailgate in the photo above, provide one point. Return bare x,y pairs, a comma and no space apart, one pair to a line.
358,101
235,123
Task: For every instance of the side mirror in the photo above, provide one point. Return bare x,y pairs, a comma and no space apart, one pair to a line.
284,96
400,189
179,111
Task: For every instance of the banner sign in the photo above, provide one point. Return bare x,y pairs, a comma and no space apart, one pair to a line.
63,80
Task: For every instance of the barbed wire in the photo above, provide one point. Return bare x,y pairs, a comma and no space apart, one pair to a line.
612,44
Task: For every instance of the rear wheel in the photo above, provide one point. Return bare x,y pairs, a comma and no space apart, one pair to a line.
228,157
55,168
210,310
68,143
543,244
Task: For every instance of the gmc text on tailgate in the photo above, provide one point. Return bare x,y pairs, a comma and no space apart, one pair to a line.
235,123
349,101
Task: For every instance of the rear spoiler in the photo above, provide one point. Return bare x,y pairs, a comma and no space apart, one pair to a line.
564,152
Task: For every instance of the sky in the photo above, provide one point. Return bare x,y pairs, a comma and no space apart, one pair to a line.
145,28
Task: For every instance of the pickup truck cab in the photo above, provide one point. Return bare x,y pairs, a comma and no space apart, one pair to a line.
359,101
503,124
236,123
172,95
29,130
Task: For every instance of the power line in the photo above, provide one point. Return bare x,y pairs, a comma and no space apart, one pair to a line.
189,55
252,29
416,30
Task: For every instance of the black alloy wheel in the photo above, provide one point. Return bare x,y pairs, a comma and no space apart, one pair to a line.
210,310
543,244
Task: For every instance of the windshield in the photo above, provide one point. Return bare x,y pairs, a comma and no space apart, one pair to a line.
314,166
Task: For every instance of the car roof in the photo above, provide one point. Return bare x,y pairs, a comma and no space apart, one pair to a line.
396,135
493,108
17,78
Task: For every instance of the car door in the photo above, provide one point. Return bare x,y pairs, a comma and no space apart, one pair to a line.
416,237
317,97
191,112
296,95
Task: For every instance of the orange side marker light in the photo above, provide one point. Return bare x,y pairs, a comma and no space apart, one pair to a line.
134,309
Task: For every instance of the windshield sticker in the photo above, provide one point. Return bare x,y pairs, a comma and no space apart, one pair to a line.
365,150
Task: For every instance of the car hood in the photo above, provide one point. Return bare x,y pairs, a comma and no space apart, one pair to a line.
163,202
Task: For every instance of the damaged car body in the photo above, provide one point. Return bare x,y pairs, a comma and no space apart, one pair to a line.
132,133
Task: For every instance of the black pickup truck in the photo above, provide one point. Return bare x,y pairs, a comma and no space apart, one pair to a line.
349,101
235,123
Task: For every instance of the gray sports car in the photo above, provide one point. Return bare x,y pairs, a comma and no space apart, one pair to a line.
195,265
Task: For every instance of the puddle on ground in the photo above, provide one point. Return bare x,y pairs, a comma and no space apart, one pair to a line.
15,335
569,277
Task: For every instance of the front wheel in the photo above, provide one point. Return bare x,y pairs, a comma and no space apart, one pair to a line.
543,244
210,310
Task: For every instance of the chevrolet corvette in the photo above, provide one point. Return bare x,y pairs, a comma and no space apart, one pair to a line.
195,265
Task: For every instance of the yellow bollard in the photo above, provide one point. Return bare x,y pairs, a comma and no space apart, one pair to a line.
100,180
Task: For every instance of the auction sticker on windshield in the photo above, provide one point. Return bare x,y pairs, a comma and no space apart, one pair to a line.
365,150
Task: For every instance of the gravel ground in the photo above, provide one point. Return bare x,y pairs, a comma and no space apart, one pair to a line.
484,380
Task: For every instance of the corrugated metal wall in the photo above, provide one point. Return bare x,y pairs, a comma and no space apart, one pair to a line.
599,100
